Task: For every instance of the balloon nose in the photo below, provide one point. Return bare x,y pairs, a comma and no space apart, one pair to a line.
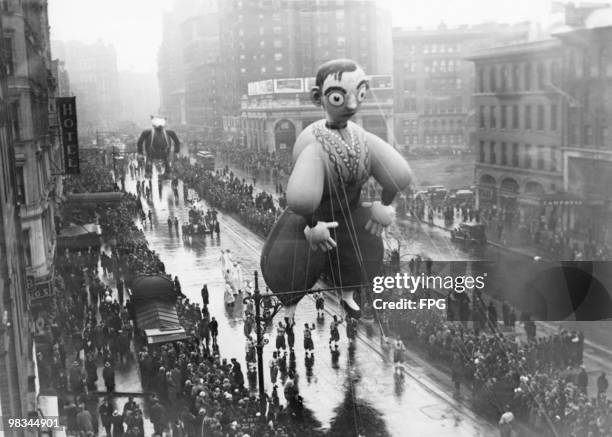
351,102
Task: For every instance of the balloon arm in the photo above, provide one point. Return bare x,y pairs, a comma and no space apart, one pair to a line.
388,167
388,196
305,186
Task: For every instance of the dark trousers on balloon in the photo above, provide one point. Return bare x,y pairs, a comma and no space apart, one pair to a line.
289,264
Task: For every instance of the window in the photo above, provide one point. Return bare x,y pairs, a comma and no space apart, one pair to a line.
504,79
15,125
341,42
540,157
541,76
553,117
504,154
277,44
7,46
516,86
492,123
276,16
410,104
481,117
504,110
572,134
527,116
492,84
515,117
515,155
277,30
527,155
20,191
278,56
540,117
27,248
527,77
587,135
553,160
493,157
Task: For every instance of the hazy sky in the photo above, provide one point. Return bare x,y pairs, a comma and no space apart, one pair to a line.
134,26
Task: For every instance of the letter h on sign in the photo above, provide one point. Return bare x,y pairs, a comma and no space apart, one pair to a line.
70,139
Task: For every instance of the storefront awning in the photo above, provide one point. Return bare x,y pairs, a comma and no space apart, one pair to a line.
156,336
79,236
157,314
110,197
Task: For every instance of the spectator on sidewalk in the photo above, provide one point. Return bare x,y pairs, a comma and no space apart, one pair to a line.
582,380
84,421
106,416
602,384
506,422
109,377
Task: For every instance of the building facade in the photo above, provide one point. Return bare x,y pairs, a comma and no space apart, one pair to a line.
202,75
171,62
275,111
434,83
94,80
586,160
276,39
519,130
26,196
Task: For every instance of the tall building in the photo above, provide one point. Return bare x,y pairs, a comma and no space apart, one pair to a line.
544,111
519,125
585,88
94,80
139,97
434,82
202,75
27,190
170,61
276,39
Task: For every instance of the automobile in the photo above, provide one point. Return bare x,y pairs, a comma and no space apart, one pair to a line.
473,233
207,159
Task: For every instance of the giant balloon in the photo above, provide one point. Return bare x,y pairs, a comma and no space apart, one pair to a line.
326,230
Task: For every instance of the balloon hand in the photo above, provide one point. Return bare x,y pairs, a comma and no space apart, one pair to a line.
381,218
319,237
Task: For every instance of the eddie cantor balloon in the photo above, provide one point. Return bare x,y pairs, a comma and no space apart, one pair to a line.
326,230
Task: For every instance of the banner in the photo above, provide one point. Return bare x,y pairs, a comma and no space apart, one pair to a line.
66,107
288,85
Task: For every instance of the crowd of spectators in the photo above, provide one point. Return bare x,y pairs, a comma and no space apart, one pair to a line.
230,194
537,377
256,163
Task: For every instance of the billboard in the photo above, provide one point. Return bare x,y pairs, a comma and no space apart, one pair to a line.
66,107
295,85
383,82
309,83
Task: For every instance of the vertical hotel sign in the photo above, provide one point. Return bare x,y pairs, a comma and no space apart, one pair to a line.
66,107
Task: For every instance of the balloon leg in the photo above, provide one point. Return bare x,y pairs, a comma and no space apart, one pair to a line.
349,304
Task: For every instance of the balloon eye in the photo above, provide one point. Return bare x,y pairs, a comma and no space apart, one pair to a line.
336,99
361,94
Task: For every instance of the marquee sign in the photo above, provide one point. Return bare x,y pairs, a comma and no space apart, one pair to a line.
66,107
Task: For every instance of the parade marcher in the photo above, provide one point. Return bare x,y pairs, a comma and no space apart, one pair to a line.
117,422
398,355
213,326
334,334
84,421
351,329
602,384
280,337
106,416
308,344
289,324
205,296
108,374
274,367
582,380
319,304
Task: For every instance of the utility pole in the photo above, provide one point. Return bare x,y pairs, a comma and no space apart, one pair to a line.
259,347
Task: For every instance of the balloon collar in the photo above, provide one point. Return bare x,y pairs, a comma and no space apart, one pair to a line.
337,125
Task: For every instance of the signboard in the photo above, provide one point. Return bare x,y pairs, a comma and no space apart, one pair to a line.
309,83
381,82
288,85
66,107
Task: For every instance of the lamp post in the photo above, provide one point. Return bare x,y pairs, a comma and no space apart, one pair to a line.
259,347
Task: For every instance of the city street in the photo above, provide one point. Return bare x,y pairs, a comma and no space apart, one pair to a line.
363,378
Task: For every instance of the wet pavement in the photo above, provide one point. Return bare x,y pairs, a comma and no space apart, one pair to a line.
359,385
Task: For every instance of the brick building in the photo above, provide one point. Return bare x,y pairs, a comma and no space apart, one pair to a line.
434,82
276,39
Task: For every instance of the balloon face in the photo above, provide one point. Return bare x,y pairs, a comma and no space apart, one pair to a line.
342,98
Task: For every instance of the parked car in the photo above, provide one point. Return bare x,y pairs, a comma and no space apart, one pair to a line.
473,233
